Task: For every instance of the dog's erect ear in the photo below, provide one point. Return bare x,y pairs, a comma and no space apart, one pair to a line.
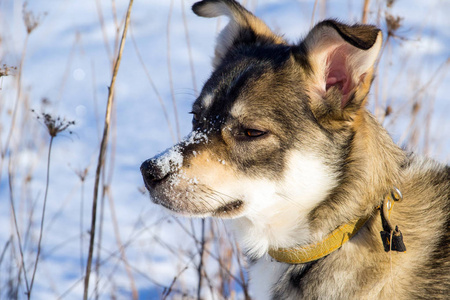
243,29
341,60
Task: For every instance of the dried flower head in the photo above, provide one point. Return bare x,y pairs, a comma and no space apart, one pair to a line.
415,108
45,102
388,111
390,3
55,125
31,20
393,24
6,70
82,174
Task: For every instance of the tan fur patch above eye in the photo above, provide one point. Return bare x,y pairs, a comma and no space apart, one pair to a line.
207,101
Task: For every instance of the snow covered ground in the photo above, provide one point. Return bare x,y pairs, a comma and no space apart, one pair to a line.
68,63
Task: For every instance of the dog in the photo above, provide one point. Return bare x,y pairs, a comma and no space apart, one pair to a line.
283,145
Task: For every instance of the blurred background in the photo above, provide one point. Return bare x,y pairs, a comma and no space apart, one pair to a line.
56,66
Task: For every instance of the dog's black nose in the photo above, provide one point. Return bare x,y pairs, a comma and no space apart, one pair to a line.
152,171
160,167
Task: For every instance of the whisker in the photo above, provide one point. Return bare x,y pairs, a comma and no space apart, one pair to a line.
288,199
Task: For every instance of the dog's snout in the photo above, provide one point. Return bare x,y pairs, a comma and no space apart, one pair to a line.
152,172
161,166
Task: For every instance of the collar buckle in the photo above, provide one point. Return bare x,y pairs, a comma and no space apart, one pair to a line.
391,237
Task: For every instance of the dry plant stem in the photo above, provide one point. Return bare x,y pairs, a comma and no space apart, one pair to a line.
41,231
81,226
313,14
377,86
102,152
188,44
382,81
428,117
5,248
439,73
116,22
107,180
169,68
116,255
365,11
16,105
117,25
19,239
102,25
169,290
67,69
13,286
200,266
221,249
95,100
417,100
441,69
123,257
155,90
205,250
244,284
224,266
106,260
100,234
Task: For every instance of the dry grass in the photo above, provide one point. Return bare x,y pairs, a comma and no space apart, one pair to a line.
211,263
101,157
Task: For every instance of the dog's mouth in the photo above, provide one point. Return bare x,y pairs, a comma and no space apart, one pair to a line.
181,203
166,204
229,208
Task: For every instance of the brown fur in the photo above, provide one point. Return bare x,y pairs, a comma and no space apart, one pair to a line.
274,116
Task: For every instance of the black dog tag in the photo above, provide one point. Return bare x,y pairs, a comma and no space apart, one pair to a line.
397,240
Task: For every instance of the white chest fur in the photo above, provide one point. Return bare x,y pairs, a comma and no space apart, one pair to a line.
264,275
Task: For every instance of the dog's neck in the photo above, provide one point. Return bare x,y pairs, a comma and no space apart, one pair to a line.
373,167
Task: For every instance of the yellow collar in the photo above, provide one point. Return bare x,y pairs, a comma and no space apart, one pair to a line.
308,253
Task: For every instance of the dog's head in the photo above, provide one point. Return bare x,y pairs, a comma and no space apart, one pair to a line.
271,123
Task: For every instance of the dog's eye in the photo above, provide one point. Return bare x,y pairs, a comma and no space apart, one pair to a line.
253,133
195,118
